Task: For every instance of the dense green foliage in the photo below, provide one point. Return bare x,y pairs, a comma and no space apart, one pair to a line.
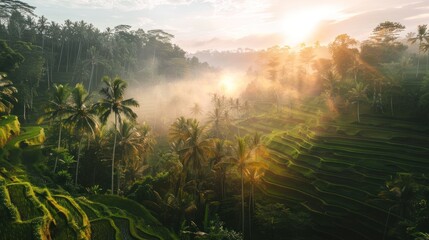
36,53
30,211
314,148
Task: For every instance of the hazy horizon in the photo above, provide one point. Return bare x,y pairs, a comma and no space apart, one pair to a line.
226,25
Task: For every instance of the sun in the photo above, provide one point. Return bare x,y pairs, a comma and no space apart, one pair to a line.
298,26
227,84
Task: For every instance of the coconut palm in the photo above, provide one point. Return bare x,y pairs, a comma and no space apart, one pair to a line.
179,131
425,49
113,102
254,171
394,89
133,144
217,121
219,163
241,155
196,110
7,90
422,34
358,94
94,59
56,110
196,149
82,118
258,148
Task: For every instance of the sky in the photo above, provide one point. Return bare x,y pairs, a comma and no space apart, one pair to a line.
231,24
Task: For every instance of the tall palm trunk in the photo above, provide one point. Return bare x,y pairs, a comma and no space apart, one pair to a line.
222,183
391,105
77,163
31,98
68,56
24,113
59,145
250,211
61,56
90,78
52,60
418,61
358,111
118,172
47,73
242,201
43,43
427,61
77,58
113,154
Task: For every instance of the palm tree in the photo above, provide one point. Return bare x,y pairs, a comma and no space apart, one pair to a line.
94,59
258,148
394,89
254,171
401,191
217,120
82,118
235,105
404,64
358,94
241,155
133,144
425,49
7,90
219,162
422,34
196,110
42,26
113,102
196,149
56,110
179,131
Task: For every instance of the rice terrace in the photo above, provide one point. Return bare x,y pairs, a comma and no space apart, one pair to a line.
207,119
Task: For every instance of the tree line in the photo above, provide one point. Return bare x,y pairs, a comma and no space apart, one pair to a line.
36,53
381,74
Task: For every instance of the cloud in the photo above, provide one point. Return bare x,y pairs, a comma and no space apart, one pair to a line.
420,16
407,4
231,24
241,7
124,5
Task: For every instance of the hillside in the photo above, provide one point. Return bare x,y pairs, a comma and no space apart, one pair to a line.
336,167
31,210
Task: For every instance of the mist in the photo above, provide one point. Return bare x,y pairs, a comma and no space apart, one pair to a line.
163,101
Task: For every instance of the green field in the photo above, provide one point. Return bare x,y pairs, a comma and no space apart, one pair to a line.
31,211
335,168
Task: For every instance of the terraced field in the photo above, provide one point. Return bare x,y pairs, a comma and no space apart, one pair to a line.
35,212
335,168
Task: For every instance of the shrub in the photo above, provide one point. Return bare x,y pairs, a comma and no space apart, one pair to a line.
63,177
